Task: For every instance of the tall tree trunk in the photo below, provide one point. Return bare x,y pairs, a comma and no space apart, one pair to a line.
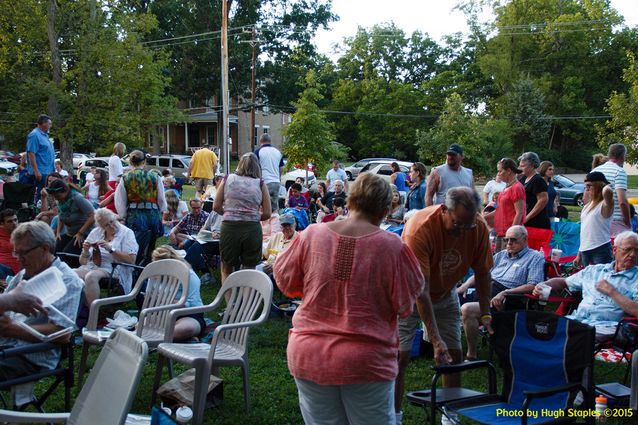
56,67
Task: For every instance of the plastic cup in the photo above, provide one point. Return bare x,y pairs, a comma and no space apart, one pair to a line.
546,290
556,254
183,415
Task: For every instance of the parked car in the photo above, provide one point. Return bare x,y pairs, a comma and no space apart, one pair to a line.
571,193
383,168
99,162
290,177
78,158
8,167
10,157
353,171
177,163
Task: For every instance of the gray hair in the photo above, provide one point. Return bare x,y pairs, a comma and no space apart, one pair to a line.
617,151
626,235
338,181
104,213
265,138
531,157
249,166
465,196
37,232
520,230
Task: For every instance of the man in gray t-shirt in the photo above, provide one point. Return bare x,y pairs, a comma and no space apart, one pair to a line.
449,175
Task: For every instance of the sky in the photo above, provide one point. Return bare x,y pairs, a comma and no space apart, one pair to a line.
435,17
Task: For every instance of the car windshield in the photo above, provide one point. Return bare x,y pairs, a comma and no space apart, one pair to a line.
187,160
564,181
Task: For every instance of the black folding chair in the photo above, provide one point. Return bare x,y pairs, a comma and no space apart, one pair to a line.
61,374
20,197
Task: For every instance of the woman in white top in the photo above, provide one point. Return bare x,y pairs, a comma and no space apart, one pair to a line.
115,164
97,188
595,221
492,186
108,242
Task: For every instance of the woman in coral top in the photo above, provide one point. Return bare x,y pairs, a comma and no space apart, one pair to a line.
510,208
355,280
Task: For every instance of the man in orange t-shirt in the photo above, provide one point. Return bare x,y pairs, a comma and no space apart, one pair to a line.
447,240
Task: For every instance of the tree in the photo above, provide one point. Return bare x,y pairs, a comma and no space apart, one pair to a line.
485,140
623,107
309,136
525,110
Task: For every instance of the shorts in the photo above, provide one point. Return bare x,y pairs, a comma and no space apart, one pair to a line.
199,317
448,320
200,184
240,243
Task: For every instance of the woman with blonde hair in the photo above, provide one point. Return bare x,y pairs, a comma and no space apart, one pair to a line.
356,281
238,199
176,210
190,326
595,221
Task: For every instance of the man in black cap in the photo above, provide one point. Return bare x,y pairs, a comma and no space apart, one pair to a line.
449,175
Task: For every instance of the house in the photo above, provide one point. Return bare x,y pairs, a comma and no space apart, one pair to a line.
204,128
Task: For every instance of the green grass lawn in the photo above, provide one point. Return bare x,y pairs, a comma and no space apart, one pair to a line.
273,391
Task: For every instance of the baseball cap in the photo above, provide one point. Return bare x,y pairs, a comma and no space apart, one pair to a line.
596,176
455,149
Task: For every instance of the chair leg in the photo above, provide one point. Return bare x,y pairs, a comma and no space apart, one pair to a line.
200,391
244,369
158,378
83,358
171,372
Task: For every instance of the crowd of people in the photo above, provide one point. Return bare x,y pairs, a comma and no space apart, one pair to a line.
365,289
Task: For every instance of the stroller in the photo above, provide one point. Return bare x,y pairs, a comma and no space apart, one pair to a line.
20,197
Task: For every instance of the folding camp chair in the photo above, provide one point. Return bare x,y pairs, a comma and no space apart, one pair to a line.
61,374
546,359
110,390
20,197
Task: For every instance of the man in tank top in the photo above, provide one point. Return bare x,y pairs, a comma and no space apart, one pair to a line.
449,175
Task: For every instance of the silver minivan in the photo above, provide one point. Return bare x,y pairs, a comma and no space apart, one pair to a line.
177,163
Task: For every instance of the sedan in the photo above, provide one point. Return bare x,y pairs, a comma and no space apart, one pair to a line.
571,193
290,177
384,169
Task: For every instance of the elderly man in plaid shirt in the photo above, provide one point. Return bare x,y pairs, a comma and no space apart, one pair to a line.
517,269
190,225
34,246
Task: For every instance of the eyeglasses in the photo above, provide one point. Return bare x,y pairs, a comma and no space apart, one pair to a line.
463,226
625,250
508,240
18,254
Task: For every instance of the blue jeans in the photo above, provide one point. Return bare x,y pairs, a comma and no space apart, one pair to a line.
600,255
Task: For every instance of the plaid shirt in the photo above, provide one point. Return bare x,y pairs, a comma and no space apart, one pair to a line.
526,266
191,224
68,305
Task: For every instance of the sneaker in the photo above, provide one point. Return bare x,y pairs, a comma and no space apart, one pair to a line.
450,419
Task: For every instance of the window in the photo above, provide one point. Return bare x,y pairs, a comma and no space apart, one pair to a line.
151,161
385,170
256,136
266,129
210,135
164,162
177,163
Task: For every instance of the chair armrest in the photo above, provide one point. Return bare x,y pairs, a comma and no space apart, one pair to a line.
460,367
150,310
32,417
135,266
94,310
36,347
530,395
180,312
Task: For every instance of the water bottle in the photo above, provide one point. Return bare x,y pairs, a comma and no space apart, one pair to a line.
601,406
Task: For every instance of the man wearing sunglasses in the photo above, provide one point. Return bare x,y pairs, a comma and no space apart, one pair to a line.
447,240
517,269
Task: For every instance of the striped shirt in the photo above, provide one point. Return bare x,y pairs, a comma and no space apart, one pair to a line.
526,266
617,177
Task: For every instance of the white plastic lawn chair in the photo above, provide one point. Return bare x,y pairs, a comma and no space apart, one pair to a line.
249,294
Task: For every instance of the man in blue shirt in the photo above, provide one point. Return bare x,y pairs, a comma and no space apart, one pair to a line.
610,291
517,269
40,154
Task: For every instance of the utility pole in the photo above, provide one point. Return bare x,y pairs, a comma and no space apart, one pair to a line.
253,97
225,144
